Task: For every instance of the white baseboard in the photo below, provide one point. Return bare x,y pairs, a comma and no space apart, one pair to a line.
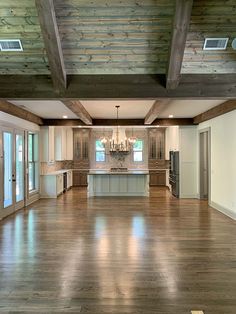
33,198
228,212
188,196
42,196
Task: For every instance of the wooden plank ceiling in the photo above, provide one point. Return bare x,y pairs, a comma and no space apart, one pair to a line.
115,36
124,37
107,37
19,21
216,19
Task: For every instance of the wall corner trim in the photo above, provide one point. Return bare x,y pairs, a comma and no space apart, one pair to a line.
226,211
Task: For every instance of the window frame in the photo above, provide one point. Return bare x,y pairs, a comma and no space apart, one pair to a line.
138,150
100,151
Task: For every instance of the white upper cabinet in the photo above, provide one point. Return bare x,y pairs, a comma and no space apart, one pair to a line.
56,143
60,143
47,151
63,143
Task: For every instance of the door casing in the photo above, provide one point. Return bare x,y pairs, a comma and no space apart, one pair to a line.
201,192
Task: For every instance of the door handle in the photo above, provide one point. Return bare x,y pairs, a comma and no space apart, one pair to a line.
13,180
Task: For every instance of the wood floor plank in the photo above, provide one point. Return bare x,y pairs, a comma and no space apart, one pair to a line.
156,255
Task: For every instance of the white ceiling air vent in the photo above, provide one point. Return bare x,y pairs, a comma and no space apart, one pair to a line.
215,43
10,45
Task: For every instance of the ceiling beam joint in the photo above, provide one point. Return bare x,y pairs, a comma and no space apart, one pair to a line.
155,110
78,109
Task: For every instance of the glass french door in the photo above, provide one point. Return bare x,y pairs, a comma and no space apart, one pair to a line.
7,169
13,169
19,169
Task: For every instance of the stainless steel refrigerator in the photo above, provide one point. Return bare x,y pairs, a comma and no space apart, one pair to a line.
174,173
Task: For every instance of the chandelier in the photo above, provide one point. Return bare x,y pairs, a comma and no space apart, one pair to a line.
103,139
119,141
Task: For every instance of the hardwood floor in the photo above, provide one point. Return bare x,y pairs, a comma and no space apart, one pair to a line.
118,255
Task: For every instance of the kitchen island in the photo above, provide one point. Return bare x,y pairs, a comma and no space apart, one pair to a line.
112,183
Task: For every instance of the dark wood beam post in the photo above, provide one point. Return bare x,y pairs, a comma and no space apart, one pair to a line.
77,108
156,109
48,23
182,18
214,112
18,112
192,86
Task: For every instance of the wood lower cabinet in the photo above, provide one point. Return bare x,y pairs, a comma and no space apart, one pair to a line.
157,178
80,178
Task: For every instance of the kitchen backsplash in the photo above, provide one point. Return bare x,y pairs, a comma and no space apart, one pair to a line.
112,162
57,165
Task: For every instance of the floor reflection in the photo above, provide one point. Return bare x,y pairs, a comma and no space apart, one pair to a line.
122,256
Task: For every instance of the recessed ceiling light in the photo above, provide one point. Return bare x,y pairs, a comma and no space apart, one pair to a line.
64,117
171,116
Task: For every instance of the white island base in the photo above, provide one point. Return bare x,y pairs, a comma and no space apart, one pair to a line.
129,183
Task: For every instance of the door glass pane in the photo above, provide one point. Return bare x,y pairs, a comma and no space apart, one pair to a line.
31,176
30,147
7,164
19,168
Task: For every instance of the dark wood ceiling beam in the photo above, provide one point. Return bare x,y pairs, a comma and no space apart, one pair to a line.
49,28
63,122
121,122
18,112
77,108
155,110
113,122
214,112
183,9
221,86
173,122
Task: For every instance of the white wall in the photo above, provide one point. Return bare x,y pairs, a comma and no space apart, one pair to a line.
223,162
172,140
188,162
184,140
